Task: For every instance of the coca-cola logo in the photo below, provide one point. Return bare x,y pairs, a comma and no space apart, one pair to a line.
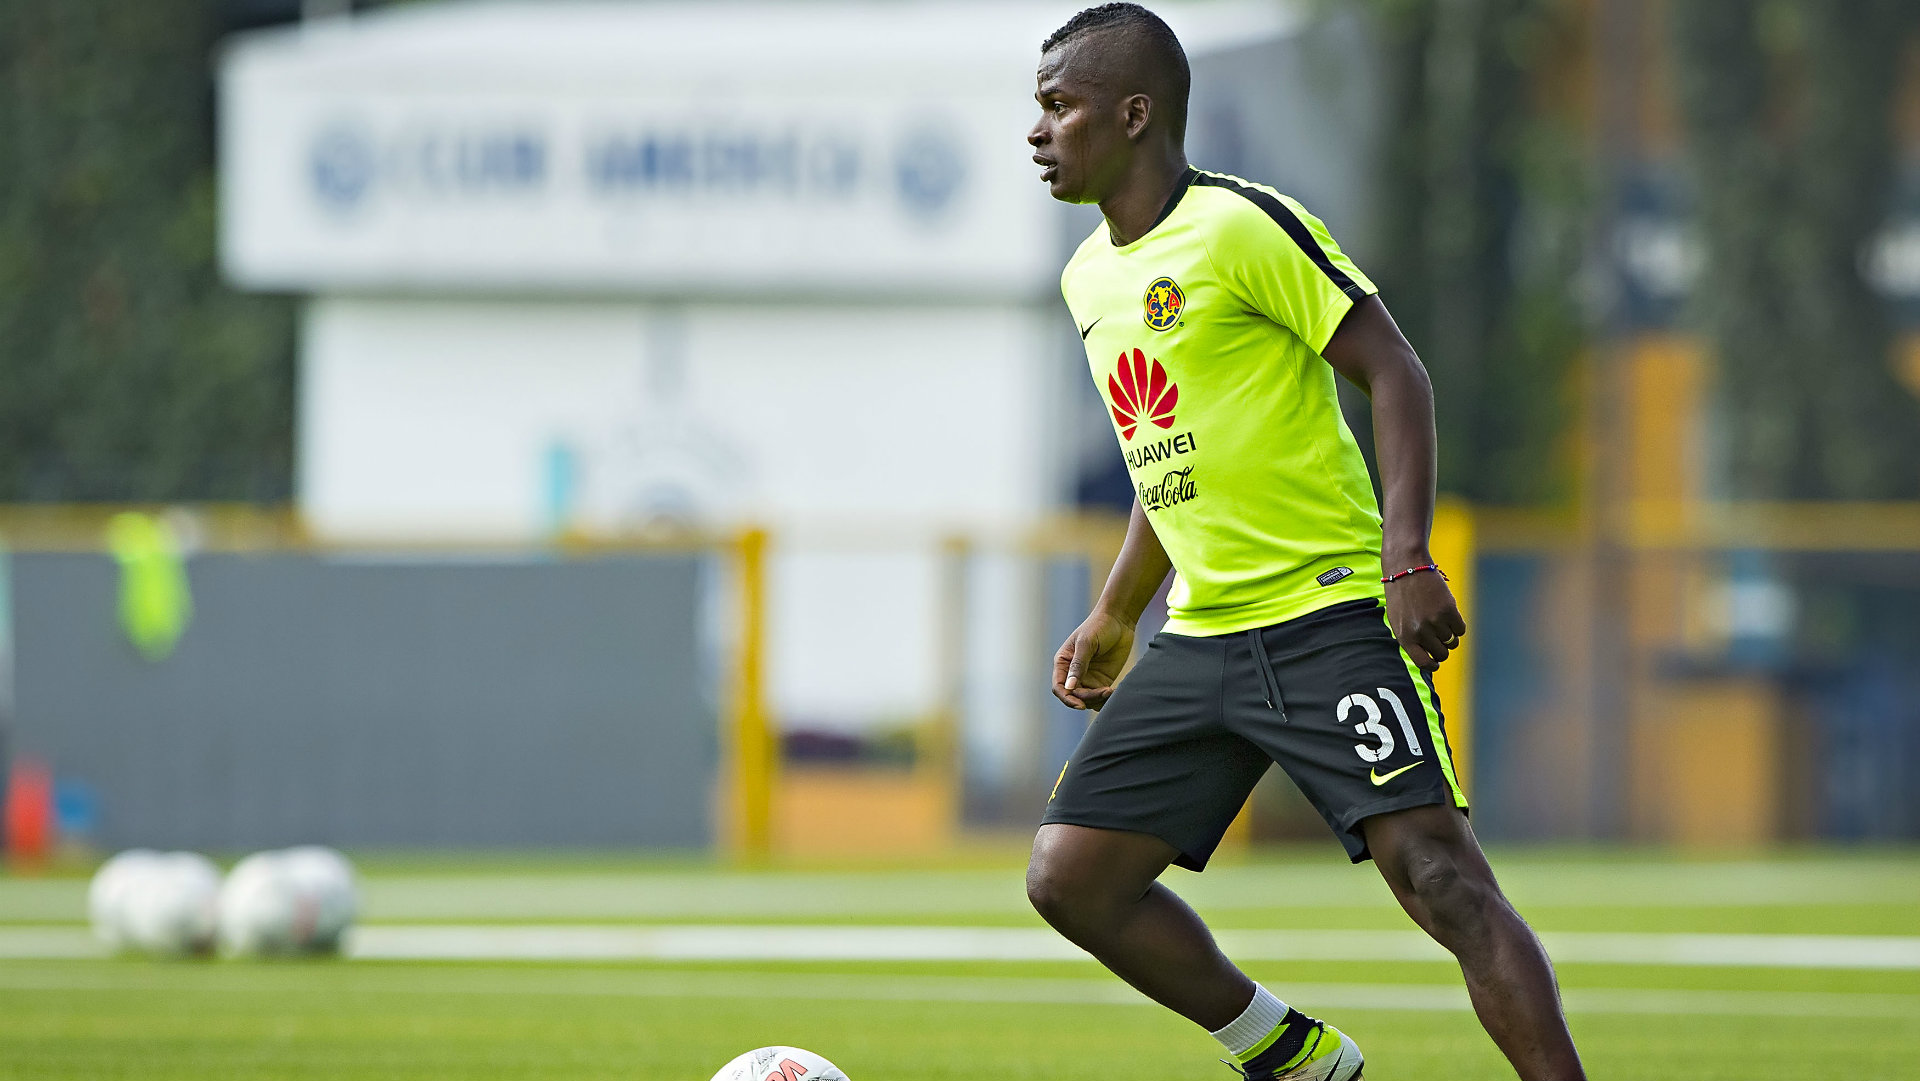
1173,489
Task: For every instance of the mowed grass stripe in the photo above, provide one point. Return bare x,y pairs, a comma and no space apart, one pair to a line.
1016,944
410,980
1315,876
944,894
574,942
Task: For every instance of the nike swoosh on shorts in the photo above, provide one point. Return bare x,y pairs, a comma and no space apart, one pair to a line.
1379,780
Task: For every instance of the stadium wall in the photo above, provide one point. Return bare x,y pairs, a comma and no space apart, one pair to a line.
372,702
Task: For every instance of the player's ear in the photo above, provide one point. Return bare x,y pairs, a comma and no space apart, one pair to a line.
1139,111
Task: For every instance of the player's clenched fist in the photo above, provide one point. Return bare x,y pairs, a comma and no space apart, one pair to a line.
1424,617
1089,661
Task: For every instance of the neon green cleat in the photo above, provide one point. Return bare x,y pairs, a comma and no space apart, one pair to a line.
1327,1055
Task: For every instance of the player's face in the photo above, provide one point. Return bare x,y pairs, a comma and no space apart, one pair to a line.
1080,141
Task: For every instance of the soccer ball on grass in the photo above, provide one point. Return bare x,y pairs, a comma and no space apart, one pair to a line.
158,903
293,901
779,1064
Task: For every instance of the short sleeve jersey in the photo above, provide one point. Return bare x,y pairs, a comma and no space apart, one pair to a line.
1204,338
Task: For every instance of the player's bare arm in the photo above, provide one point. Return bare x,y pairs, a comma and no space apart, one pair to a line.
1371,353
1088,663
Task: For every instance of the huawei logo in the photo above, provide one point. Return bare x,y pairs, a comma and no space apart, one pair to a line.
1139,390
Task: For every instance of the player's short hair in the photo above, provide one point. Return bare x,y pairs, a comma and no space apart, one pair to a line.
1157,60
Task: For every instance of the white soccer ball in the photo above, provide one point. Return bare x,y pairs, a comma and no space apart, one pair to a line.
326,878
779,1064
299,900
167,905
107,894
257,907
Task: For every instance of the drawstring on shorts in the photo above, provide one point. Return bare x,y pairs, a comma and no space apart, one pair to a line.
1268,680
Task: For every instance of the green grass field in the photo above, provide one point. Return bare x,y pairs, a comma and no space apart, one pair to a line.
1646,1002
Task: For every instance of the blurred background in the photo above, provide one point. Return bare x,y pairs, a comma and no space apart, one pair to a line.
619,471
447,425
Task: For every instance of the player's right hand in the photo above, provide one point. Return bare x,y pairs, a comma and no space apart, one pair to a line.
1088,663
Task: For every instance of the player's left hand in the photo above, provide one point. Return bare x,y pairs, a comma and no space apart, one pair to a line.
1424,617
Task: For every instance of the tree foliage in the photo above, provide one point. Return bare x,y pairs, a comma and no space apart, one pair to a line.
1484,219
1787,105
128,371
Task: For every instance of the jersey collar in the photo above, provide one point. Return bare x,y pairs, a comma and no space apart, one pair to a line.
1179,191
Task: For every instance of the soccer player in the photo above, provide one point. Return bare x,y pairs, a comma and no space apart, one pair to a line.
1216,313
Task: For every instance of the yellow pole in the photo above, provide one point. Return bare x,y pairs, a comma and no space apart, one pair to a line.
1453,549
1238,840
942,745
756,765
940,748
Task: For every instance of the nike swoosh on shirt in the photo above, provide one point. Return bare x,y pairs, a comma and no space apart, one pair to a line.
1379,780
1088,329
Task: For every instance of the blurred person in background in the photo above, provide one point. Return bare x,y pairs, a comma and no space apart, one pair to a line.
1215,314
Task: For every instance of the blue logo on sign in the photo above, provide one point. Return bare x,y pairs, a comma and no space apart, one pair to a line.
930,170
341,167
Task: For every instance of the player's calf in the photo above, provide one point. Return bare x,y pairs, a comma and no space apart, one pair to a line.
1437,871
1097,887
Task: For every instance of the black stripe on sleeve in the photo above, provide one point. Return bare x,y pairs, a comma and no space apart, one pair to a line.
1286,219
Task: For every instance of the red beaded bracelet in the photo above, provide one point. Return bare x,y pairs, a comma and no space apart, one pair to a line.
1434,567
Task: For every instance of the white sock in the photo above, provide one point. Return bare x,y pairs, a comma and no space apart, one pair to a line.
1254,1024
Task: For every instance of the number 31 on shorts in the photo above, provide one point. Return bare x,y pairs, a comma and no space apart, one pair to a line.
1372,726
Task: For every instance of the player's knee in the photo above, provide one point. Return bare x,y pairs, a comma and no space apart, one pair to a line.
1432,872
1051,891
1451,887
1066,899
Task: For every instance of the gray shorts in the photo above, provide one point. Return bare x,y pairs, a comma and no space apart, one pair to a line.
1330,696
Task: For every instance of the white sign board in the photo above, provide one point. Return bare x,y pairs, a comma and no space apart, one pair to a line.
673,149
699,159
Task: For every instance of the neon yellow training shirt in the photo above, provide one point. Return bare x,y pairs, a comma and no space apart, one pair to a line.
1204,338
